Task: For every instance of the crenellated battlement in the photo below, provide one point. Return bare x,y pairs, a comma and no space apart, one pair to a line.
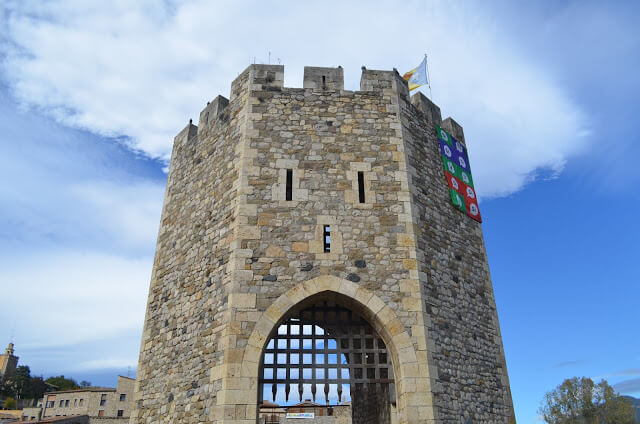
316,78
259,78
213,110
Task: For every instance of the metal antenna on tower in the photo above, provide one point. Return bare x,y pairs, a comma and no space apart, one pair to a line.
269,58
129,371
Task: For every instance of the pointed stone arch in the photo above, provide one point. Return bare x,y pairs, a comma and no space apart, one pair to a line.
379,315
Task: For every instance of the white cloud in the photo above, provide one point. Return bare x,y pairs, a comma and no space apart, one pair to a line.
109,363
141,71
129,213
62,188
73,297
105,213
79,220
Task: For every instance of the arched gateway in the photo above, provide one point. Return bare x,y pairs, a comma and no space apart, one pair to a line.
334,348
309,250
327,354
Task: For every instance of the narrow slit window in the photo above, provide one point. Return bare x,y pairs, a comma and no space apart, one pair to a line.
324,81
289,188
327,238
361,186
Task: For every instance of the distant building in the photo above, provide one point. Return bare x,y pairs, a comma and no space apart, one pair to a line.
94,402
272,413
8,363
31,414
75,419
9,416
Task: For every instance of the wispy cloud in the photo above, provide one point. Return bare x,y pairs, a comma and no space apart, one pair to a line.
140,71
622,373
75,296
628,386
99,364
78,222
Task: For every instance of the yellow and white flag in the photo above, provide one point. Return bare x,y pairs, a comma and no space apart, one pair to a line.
417,76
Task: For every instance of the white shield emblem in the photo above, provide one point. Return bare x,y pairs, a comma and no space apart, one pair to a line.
443,135
470,193
473,208
465,178
462,162
454,183
451,168
447,151
459,146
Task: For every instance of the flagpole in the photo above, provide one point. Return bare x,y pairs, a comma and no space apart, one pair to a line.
428,77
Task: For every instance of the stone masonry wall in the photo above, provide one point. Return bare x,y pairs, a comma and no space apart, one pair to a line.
325,137
234,255
185,318
463,325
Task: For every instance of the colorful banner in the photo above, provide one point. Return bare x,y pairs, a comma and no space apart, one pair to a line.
417,76
456,170
458,173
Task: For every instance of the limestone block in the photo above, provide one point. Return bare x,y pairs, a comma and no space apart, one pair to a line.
412,304
242,300
300,246
375,304
363,295
348,288
248,232
405,240
274,251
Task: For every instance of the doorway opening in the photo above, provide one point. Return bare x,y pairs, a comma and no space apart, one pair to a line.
324,359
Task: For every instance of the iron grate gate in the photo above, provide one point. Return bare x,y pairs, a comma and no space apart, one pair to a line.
324,353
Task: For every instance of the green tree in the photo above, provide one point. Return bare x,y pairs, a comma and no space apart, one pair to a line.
85,383
63,383
580,401
5,390
38,387
20,382
10,403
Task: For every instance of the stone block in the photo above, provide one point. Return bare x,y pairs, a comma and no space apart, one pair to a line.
322,79
454,129
300,246
242,300
248,232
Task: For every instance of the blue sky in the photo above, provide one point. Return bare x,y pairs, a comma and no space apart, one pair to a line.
91,96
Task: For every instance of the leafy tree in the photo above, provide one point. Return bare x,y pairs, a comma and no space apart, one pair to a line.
62,383
85,384
20,382
10,403
5,390
38,387
580,401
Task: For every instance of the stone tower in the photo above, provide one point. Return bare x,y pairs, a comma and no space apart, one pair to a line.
308,246
8,363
